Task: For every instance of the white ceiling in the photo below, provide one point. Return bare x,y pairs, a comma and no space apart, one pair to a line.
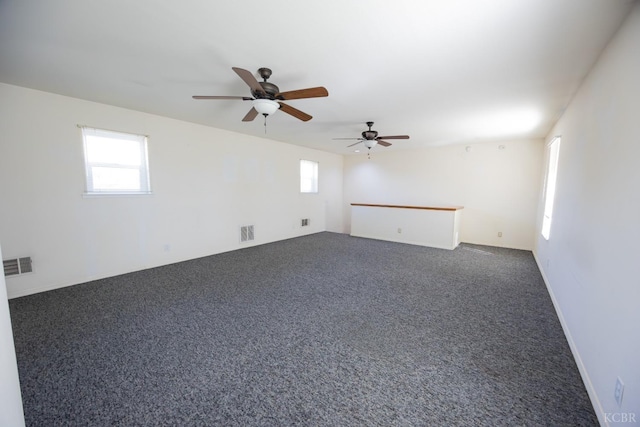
442,71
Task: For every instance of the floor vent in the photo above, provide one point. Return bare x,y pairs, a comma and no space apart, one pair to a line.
304,222
16,266
246,233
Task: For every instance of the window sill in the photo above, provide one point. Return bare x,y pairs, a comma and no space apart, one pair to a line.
117,194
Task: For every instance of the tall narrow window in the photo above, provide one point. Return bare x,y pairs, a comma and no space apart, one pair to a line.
115,162
550,186
308,176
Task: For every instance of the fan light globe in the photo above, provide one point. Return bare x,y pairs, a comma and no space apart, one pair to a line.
370,143
265,106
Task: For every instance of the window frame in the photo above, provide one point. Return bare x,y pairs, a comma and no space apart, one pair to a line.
314,180
142,168
551,178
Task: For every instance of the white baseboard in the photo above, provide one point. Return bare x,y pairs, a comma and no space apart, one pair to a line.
593,396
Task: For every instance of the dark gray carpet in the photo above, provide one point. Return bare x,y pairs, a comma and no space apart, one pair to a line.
322,330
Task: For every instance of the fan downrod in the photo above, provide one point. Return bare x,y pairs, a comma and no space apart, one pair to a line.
369,135
269,88
265,73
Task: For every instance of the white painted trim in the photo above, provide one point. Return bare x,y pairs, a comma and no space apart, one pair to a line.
591,391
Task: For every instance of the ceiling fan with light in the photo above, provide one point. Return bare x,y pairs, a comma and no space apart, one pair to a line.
370,138
267,98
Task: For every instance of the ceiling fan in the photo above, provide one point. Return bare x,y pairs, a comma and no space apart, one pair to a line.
267,98
370,138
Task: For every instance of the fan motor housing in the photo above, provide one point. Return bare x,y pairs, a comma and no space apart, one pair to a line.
271,90
369,134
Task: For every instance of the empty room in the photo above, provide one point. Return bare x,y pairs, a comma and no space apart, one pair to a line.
340,213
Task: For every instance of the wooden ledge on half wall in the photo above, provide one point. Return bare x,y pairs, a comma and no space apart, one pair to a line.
429,208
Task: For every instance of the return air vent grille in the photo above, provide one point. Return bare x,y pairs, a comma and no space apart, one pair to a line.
16,266
246,233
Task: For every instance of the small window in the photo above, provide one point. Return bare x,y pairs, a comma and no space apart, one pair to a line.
308,176
115,162
550,186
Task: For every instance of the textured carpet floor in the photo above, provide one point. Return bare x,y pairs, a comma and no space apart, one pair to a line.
325,330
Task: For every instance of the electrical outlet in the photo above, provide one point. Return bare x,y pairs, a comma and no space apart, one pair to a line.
399,230
499,233
618,391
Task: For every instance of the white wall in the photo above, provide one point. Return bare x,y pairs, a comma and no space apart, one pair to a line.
498,187
592,260
206,183
436,228
11,413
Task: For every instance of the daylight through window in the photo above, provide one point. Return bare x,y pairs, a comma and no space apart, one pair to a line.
308,176
550,186
115,162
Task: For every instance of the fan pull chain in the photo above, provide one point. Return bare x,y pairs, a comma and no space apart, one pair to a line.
265,124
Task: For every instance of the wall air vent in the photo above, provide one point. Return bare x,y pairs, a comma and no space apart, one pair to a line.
16,266
246,233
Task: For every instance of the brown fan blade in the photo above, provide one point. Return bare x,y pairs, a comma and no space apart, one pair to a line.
384,143
313,92
393,137
249,79
252,114
294,112
355,143
244,98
